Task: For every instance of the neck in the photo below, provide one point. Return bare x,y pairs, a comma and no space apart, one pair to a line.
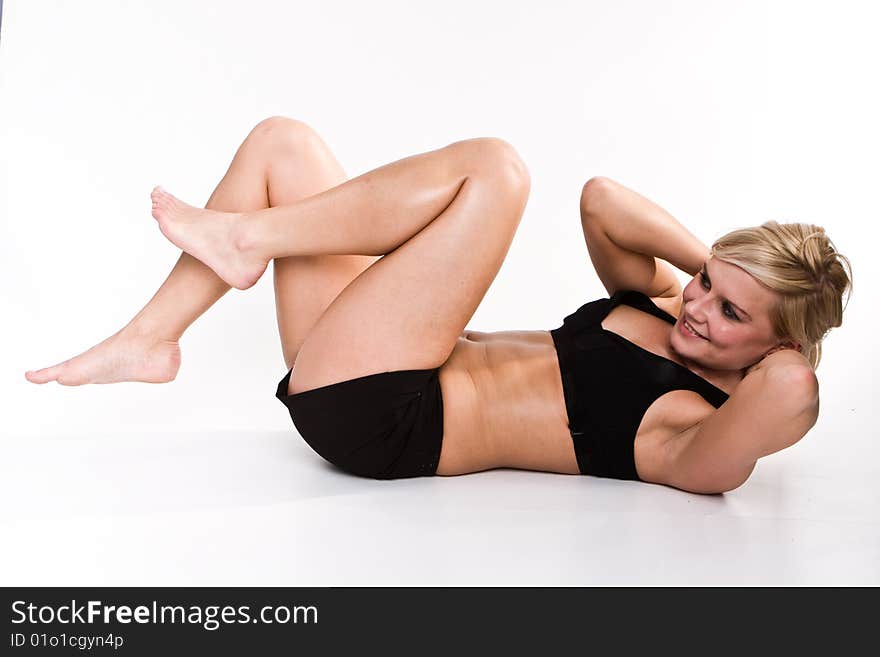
723,376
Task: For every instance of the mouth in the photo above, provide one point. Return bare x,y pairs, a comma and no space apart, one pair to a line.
688,330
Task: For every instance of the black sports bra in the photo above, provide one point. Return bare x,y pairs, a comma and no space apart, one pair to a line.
609,383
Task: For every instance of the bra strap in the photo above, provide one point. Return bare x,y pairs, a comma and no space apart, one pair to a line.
643,302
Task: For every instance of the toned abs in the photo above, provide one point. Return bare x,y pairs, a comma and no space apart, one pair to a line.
504,405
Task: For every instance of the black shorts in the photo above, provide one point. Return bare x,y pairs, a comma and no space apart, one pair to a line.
385,426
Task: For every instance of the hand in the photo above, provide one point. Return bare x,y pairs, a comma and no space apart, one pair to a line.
782,347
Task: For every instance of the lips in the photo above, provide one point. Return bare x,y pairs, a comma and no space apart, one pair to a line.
686,325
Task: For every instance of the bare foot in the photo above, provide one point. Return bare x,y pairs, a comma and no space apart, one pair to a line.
121,357
209,236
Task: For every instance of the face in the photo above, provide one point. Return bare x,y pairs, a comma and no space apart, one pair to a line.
731,310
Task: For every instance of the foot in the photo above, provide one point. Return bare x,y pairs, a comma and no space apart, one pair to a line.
209,236
121,357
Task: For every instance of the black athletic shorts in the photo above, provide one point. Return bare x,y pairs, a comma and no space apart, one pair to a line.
385,426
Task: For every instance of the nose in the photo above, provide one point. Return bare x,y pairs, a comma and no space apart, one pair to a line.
695,309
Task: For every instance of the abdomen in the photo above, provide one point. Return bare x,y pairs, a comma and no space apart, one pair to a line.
507,406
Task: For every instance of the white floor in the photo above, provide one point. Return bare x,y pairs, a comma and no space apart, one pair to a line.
262,509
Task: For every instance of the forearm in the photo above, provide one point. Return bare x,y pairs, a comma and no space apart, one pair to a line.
635,223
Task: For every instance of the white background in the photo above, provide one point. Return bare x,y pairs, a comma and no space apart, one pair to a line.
726,114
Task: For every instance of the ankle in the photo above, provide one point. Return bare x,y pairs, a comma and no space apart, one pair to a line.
244,233
144,330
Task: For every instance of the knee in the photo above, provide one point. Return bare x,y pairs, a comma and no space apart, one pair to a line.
593,189
282,131
495,157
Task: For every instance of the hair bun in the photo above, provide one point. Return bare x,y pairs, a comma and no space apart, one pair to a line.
799,262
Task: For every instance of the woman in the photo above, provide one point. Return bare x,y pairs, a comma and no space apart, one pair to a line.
377,277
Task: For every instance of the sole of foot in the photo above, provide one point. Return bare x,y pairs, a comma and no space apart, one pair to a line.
209,236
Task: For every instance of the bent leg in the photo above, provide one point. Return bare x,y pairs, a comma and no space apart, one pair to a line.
409,308
445,220
305,285
280,161
147,348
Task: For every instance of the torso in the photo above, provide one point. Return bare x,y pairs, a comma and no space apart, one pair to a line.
504,404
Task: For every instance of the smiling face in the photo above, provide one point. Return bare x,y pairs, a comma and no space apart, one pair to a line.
731,310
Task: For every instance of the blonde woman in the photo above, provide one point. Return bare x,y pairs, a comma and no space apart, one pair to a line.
377,277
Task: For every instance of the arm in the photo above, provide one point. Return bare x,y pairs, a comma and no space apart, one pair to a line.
628,238
771,408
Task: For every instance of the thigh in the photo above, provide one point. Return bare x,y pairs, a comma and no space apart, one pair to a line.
407,310
297,163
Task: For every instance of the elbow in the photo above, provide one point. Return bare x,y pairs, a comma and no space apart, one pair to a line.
715,488
705,482
735,482
800,384
735,478
808,384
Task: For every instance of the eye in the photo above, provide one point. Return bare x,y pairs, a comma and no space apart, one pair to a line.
726,306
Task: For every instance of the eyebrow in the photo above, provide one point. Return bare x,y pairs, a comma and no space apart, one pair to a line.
738,307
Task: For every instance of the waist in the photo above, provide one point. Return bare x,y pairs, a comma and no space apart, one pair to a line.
517,388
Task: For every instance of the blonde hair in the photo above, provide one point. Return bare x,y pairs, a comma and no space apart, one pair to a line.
800,263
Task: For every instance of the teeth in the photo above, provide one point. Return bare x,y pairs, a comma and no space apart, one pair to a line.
691,329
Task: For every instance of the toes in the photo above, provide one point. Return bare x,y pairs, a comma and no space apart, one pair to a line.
163,200
162,206
160,197
42,376
154,198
